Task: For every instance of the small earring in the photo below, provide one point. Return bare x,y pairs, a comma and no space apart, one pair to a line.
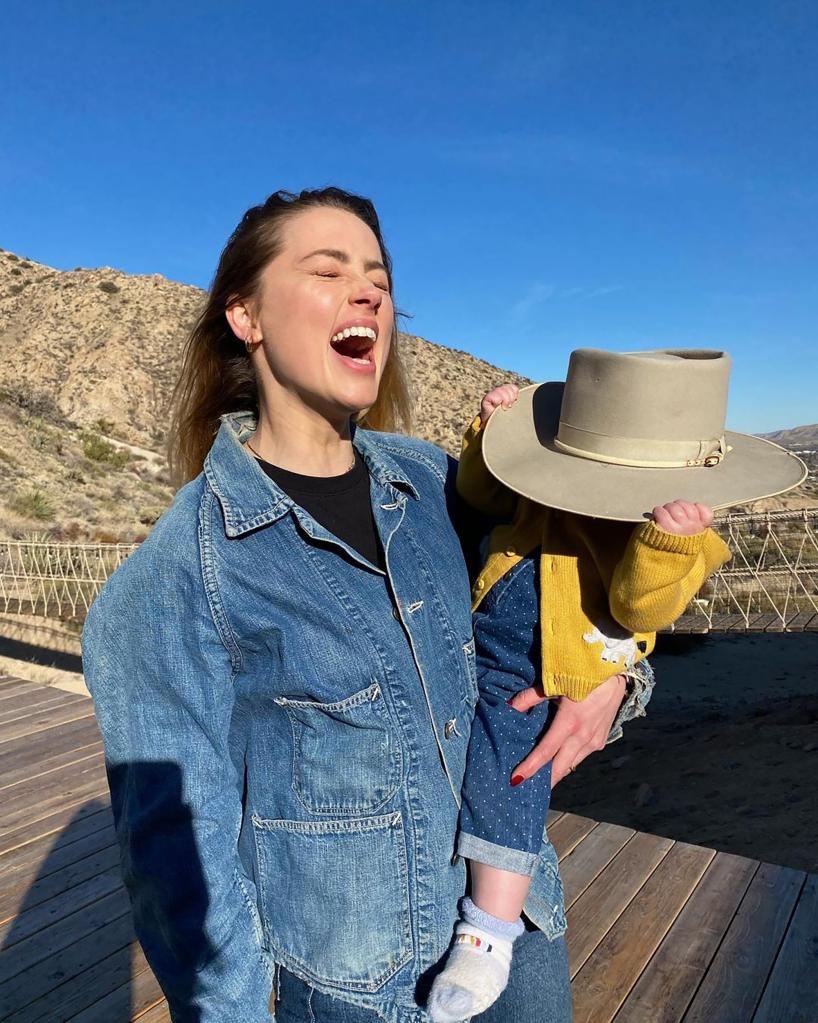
248,344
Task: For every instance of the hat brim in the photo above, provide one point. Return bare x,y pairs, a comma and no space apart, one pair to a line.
519,450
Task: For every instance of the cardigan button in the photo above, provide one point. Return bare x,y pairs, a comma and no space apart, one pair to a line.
481,584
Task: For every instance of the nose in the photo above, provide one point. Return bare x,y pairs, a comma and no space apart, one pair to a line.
367,294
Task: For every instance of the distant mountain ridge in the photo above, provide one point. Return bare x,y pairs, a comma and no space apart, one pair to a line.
799,438
88,359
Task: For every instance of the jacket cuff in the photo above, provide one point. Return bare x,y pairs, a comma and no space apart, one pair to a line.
660,540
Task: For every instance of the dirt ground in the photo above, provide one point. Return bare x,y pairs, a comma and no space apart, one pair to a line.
727,756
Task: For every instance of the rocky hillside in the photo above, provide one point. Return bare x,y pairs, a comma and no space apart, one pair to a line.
88,359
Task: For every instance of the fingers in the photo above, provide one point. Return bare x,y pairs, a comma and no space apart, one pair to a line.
684,518
568,759
546,749
526,699
505,395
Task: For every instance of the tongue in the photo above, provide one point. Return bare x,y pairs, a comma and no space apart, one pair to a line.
353,347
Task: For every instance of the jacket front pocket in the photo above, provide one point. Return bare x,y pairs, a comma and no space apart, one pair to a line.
335,898
346,759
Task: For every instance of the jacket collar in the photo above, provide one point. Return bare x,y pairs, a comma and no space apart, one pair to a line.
249,498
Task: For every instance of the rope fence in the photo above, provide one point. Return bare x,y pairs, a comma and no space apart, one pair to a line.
771,584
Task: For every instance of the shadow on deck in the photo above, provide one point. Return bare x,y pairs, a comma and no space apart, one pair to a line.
658,930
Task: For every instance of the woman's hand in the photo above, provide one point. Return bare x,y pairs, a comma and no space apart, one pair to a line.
578,728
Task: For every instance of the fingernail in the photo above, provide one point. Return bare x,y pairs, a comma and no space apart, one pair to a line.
517,778
510,702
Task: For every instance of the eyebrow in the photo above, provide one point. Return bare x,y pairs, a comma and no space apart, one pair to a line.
342,257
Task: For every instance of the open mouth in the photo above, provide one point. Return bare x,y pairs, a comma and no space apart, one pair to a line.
355,345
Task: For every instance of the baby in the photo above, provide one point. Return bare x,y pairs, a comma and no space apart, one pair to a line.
563,602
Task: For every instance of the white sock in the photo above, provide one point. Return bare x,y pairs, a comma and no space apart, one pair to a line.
477,968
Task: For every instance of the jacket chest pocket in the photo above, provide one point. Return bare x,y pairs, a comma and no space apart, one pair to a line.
346,759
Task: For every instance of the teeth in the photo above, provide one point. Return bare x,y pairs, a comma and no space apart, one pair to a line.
354,332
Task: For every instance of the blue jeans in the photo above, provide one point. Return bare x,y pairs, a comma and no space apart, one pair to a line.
539,991
500,824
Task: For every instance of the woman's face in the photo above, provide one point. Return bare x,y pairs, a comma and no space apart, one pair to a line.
325,313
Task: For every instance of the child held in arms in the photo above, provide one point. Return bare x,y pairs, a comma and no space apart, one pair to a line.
578,577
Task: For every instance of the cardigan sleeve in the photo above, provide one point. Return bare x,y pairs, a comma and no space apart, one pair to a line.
475,483
660,573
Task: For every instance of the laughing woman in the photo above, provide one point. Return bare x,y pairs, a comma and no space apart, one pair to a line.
284,672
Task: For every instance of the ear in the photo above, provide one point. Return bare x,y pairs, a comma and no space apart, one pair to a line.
240,318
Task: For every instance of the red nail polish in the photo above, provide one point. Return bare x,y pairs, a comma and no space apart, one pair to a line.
510,702
517,778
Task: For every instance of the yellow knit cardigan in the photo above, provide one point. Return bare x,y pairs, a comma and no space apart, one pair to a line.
605,587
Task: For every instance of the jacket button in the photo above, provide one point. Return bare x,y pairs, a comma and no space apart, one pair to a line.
511,552
450,728
396,614
481,584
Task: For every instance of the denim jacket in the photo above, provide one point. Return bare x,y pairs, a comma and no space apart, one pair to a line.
285,730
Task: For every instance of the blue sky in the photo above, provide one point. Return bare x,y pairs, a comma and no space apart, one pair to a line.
549,175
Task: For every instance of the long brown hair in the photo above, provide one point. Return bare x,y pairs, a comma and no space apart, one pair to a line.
216,375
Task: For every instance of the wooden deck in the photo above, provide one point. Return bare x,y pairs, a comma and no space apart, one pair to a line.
659,931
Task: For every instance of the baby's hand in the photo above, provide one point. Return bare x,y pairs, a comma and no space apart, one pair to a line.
505,395
683,517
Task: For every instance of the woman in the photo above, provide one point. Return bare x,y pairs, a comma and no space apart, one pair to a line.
284,671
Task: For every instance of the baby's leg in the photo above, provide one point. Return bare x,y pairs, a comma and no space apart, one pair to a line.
499,892
501,830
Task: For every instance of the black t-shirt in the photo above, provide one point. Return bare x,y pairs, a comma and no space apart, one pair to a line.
341,504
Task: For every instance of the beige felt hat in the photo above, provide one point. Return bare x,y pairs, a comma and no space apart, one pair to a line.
630,430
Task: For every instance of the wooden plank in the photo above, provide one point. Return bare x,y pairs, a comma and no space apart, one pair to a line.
790,995
89,986
32,968
671,978
812,626
728,623
27,703
758,622
800,622
23,956
25,896
776,625
138,996
552,817
594,912
15,686
603,983
46,719
34,918
29,752
569,831
593,854
691,623
23,803
737,975
39,859
160,1013
48,764
68,816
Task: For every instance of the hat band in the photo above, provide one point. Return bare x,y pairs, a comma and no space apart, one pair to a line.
623,450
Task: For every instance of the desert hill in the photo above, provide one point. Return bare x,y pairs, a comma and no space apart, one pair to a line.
88,359
802,438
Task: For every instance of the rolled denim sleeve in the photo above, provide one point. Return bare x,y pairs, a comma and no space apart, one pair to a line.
162,682
638,691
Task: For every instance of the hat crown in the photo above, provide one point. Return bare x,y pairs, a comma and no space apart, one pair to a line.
656,408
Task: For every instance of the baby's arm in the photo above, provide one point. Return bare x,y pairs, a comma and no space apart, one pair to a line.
475,483
664,565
